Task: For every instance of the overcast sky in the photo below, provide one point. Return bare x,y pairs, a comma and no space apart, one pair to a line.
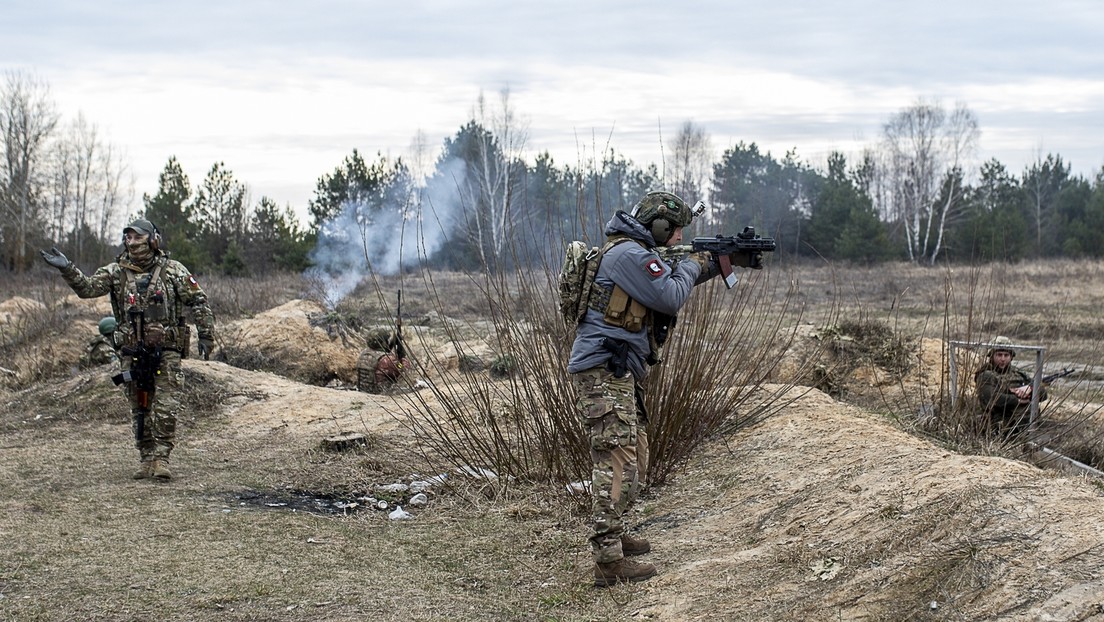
282,92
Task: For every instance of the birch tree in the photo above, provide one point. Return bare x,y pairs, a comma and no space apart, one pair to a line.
925,153
88,191
690,167
498,162
28,118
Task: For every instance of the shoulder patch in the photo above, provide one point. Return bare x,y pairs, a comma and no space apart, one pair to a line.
655,268
192,282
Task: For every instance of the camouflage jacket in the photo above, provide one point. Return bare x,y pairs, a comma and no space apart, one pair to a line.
163,300
99,351
994,388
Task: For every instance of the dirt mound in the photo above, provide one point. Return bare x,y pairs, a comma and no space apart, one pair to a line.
300,336
826,512
258,403
865,363
100,306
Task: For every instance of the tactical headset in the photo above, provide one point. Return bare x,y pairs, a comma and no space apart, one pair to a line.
154,238
661,230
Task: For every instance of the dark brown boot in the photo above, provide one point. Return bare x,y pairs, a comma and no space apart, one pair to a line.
622,570
160,469
631,546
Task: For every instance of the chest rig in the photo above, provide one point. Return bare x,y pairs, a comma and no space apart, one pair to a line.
616,306
620,309
144,307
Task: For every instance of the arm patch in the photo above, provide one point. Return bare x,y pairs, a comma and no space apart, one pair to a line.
192,282
655,268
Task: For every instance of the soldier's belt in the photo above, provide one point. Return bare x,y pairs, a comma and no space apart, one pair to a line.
169,337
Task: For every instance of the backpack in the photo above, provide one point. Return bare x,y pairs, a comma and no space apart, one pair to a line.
577,276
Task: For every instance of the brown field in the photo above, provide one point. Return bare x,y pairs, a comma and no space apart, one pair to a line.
845,488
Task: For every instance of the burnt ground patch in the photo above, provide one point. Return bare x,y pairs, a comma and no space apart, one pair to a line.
326,503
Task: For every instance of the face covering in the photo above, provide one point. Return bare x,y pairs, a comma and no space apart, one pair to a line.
140,252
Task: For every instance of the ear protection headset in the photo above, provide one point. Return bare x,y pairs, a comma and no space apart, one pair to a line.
661,228
154,238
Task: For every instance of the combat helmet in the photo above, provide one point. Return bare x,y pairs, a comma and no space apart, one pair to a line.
108,326
661,213
997,346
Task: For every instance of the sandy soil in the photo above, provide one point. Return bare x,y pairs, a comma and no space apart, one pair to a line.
821,512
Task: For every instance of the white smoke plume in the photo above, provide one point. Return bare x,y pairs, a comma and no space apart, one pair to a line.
365,240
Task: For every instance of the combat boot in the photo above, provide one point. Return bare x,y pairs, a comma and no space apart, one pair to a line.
622,570
160,469
631,546
144,470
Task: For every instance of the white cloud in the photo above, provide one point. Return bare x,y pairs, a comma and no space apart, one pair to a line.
283,94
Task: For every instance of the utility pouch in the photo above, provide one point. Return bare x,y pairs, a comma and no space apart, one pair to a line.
183,339
624,312
154,334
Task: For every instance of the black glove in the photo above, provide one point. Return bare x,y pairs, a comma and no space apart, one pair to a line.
206,346
55,258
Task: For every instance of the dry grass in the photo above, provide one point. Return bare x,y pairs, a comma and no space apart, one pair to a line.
93,544
82,541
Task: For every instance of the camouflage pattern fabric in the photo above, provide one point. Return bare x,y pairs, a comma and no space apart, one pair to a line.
159,424
179,289
98,352
619,451
120,280
994,390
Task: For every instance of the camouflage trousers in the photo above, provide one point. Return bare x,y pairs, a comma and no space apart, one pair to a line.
608,409
158,433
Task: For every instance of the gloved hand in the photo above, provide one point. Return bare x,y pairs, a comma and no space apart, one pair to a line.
206,346
55,258
747,260
702,258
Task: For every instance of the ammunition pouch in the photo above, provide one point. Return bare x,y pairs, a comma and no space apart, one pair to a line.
183,339
618,308
154,336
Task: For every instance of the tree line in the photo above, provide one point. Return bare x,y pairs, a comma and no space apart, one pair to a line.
483,205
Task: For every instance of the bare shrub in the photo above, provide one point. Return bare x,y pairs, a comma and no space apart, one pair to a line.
525,425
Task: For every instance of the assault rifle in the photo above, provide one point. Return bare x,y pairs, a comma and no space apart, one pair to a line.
145,365
1052,377
723,247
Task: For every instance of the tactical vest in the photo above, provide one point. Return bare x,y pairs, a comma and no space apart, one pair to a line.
143,302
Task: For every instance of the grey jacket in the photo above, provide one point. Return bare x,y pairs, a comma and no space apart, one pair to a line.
647,279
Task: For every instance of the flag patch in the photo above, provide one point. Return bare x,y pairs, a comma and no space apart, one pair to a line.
194,283
655,268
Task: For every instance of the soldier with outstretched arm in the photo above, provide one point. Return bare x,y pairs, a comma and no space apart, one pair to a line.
149,293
